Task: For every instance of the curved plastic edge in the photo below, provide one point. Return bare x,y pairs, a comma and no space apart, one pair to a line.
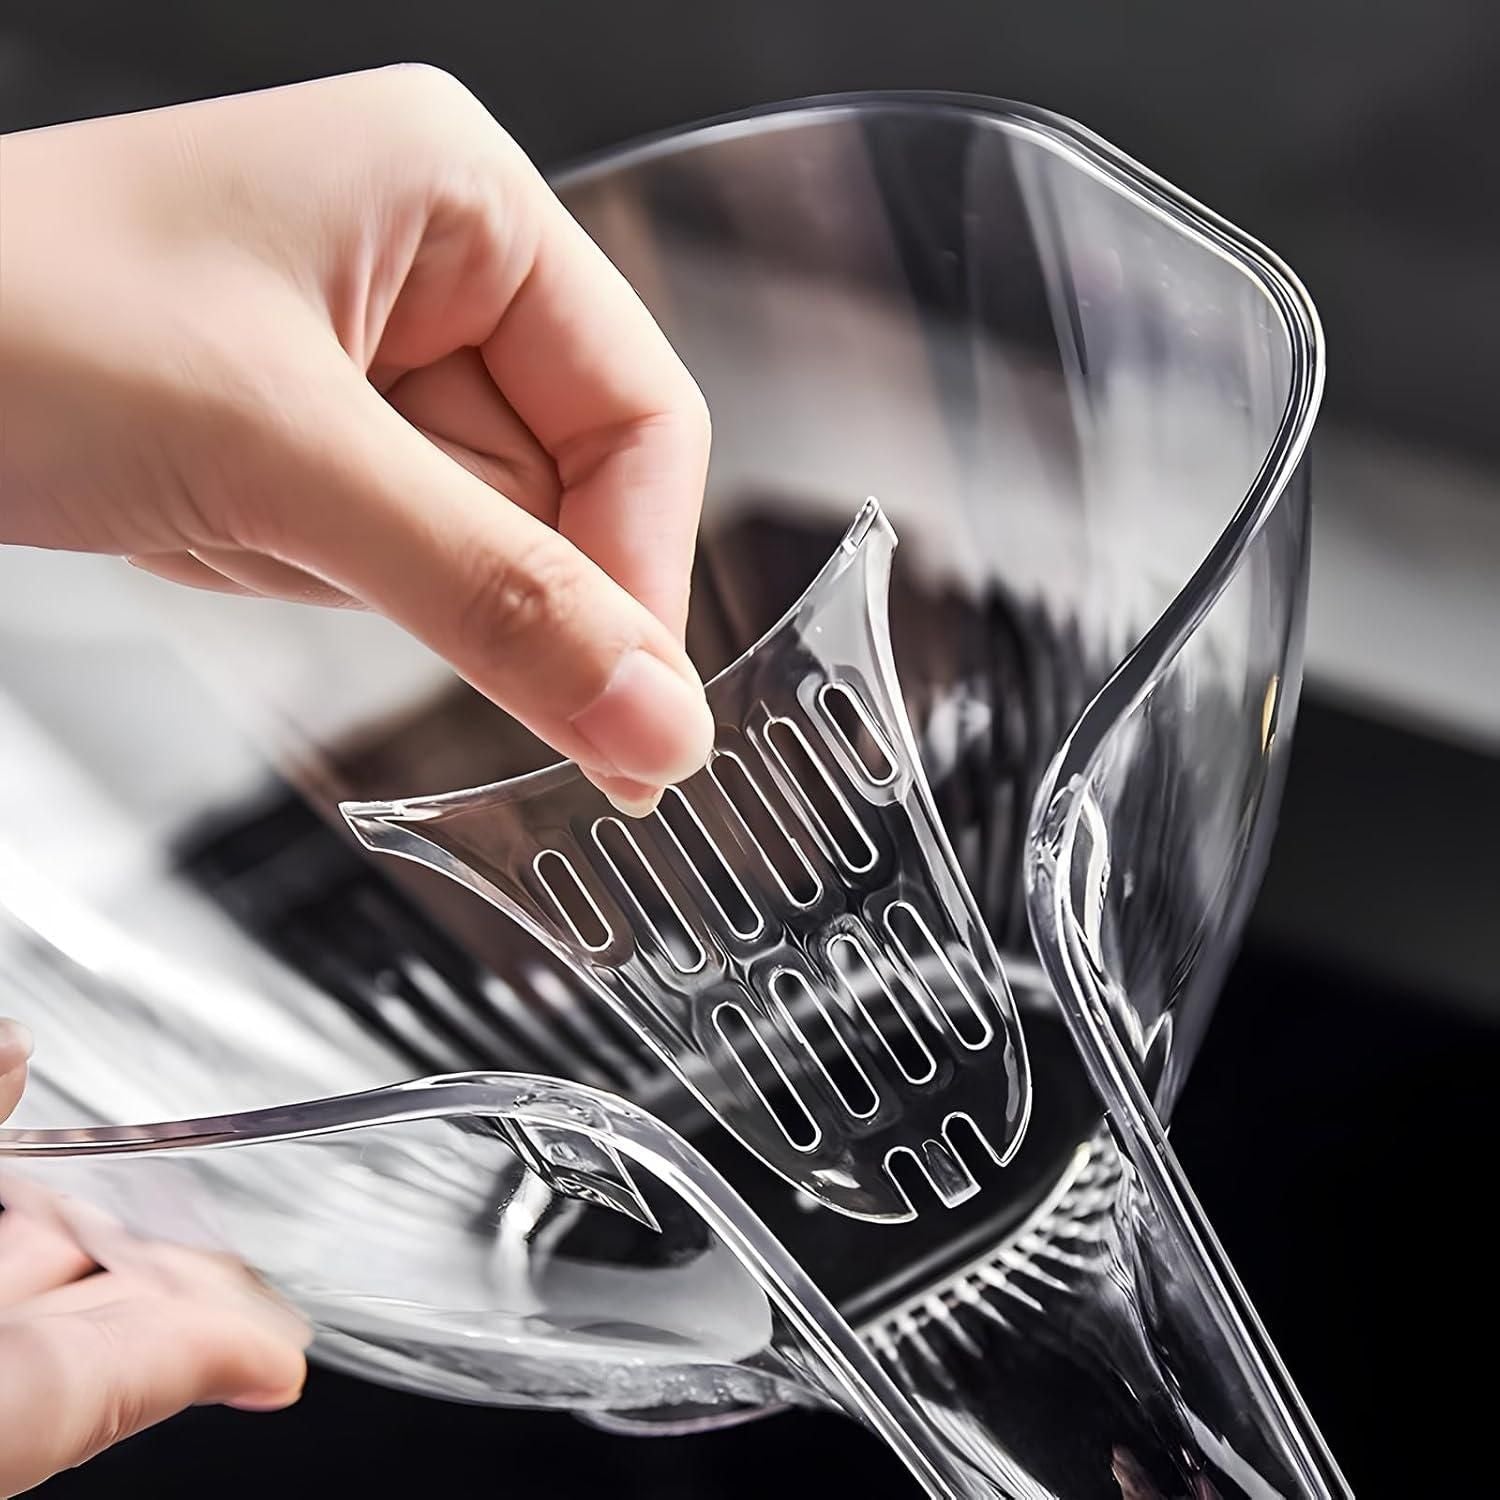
394,828
1134,674
1143,1140
544,1104
869,522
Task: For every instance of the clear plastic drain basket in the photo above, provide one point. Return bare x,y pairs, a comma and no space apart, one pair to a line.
1083,402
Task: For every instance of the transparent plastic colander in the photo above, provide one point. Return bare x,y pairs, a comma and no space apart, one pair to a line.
1083,402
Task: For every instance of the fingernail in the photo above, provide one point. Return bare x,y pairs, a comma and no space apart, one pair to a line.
273,1401
650,724
16,1045
633,798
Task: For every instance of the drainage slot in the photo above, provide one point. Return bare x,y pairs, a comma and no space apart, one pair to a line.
708,864
821,1035
766,1077
883,1013
764,829
854,726
820,797
952,992
657,910
575,905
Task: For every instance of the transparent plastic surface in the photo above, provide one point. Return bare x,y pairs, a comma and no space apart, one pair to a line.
1083,402
453,1236
790,931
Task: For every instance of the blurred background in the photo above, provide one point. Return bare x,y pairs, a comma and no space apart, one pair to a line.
1335,1125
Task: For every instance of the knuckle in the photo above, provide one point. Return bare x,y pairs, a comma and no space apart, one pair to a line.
118,1406
687,416
508,602
120,1414
443,106
444,133
696,421
430,81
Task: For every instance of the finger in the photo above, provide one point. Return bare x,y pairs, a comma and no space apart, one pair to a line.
226,1288
454,401
82,1294
36,1256
272,579
586,368
577,356
149,1266
245,575
73,1383
518,610
174,1270
15,1049
127,1264
184,568
633,798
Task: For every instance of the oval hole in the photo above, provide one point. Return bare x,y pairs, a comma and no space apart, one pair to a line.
765,1076
883,1013
707,862
578,909
854,726
848,842
822,1037
765,830
939,977
656,908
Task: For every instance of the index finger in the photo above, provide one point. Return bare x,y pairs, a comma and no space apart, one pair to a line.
584,365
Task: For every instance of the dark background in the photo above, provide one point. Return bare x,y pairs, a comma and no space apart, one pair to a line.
1337,1126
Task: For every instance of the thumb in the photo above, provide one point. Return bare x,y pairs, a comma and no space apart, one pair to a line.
15,1050
72,1383
515,608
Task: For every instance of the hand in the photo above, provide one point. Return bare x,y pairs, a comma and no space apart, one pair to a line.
339,343
89,1356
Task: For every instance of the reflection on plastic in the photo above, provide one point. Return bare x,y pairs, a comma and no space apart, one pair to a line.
828,861
1084,401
